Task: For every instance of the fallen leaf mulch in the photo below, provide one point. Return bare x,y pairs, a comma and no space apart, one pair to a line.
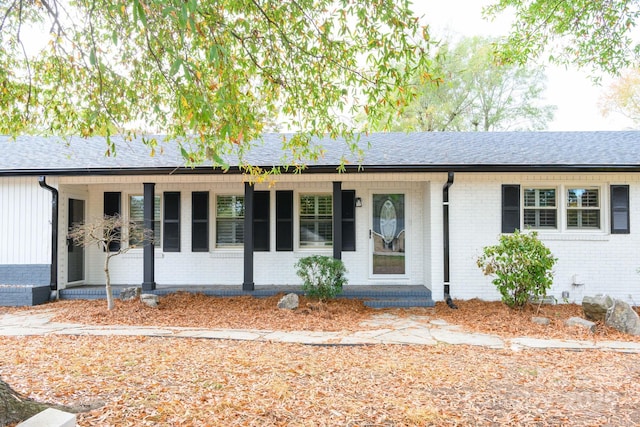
141,381
246,312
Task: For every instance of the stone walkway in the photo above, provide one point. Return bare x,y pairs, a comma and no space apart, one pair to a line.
386,329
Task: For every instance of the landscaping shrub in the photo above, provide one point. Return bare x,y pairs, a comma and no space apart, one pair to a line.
522,266
322,276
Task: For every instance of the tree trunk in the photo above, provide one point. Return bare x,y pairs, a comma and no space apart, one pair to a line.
110,303
15,408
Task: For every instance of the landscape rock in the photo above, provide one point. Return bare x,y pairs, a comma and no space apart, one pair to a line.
596,308
150,299
130,293
289,302
623,318
582,323
541,320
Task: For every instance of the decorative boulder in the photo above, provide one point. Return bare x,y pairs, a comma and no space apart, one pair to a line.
596,308
130,293
623,318
150,299
289,302
544,321
582,323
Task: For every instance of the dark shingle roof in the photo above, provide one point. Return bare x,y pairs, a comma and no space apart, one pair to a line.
436,151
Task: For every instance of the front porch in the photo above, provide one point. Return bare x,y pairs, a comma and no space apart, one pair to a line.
373,296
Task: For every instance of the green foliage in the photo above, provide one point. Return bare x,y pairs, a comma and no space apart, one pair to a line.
211,75
322,276
474,93
522,265
587,33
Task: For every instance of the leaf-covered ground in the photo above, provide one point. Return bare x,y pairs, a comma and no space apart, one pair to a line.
132,381
198,310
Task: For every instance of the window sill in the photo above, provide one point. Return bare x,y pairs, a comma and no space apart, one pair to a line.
227,254
574,236
139,254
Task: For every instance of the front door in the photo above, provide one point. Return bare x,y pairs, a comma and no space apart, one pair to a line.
75,258
388,234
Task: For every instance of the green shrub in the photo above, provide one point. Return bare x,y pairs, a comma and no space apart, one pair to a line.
522,266
322,276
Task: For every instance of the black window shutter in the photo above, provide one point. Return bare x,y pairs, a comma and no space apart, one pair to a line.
284,220
620,209
200,221
510,208
348,220
261,221
112,207
171,234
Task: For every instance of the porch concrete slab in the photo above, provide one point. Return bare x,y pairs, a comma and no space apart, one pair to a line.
456,338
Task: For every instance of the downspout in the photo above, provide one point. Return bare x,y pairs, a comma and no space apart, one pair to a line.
42,180
445,235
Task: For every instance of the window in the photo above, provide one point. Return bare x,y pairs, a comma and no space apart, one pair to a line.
316,212
540,210
200,221
136,214
583,208
229,221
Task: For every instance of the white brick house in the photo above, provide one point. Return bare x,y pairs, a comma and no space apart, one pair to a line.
418,212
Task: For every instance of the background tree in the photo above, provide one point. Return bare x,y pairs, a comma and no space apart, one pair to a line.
623,96
594,34
107,234
473,92
210,74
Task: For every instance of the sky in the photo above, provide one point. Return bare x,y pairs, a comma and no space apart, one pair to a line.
571,90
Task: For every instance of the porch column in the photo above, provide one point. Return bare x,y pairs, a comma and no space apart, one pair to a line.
248,284
337,220
148,247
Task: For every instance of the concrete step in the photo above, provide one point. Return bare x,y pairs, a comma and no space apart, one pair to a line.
399,302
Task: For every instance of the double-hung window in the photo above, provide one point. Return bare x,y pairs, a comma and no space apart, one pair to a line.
316,220
540,208
136,214
229,221
583,208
